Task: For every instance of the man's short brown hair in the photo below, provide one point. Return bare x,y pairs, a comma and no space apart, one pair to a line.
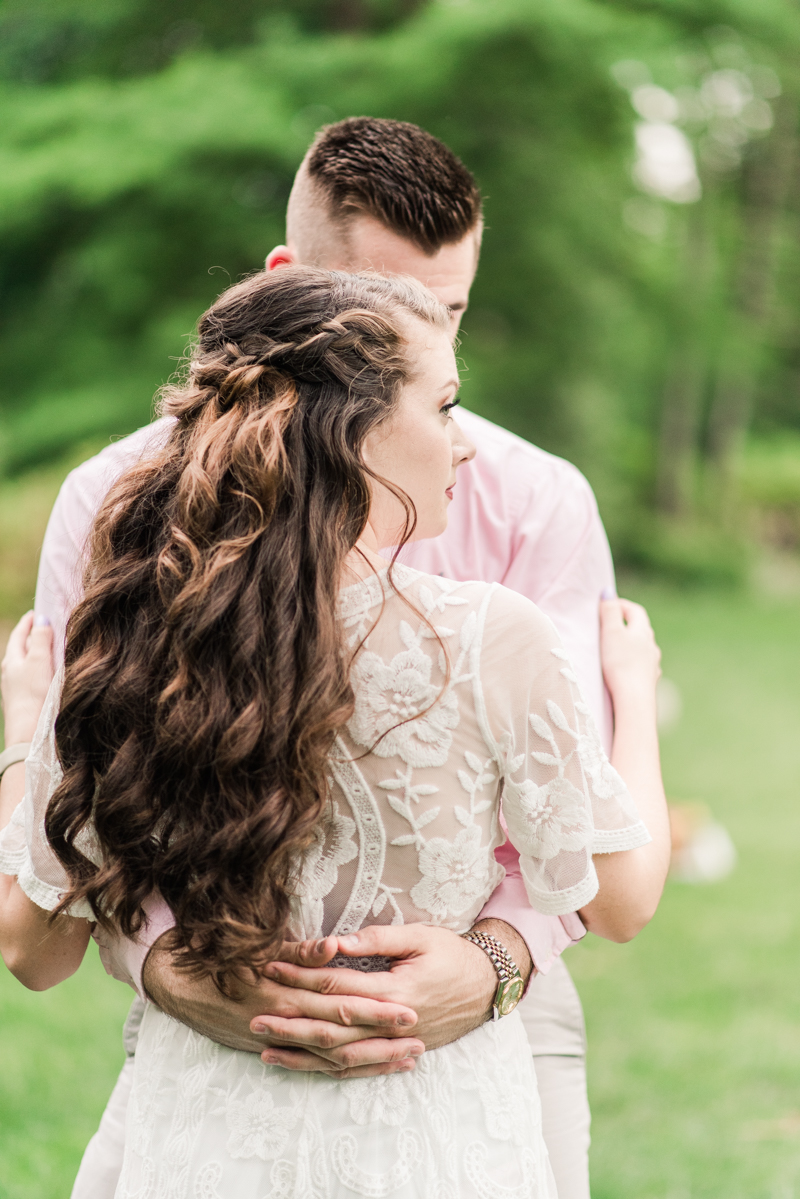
400,175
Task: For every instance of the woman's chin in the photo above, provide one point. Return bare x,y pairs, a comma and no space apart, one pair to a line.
430,529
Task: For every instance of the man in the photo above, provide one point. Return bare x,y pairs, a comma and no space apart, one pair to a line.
383,195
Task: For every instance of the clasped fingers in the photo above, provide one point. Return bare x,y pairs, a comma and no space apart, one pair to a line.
375,1056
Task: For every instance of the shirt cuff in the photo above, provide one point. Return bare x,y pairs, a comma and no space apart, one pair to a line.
124,957
546,936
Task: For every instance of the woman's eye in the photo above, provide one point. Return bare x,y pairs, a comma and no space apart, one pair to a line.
446,408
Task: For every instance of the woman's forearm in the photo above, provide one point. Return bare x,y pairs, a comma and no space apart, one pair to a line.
631,882
38,951
12,789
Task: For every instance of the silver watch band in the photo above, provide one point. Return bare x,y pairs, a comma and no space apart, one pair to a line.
13,754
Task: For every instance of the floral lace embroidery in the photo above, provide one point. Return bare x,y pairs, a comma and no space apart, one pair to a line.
382,1100
390,715
258,1128
454,874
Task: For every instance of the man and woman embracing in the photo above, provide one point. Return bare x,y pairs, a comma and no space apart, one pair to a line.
333,809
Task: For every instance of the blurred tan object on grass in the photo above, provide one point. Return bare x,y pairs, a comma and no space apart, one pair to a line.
702,850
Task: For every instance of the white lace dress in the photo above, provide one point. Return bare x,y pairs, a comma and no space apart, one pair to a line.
418,781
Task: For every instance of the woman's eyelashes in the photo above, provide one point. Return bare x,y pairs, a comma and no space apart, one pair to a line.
445,408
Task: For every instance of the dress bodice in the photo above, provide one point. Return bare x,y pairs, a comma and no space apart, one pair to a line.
465,704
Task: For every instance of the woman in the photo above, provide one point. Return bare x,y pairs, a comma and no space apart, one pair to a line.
288,736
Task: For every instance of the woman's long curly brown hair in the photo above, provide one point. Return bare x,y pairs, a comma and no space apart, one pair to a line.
205,676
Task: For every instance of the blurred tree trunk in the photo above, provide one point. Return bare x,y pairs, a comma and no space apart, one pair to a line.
767,181
683,391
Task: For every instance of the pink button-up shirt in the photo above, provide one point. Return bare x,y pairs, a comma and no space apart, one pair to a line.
520,517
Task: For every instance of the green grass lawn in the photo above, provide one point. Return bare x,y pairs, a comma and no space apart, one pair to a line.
694,1028
60,1053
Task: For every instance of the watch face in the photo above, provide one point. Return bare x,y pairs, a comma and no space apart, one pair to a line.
508,995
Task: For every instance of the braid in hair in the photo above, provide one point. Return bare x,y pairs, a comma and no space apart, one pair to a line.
205,678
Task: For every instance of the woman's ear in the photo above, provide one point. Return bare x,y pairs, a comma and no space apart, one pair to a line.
280,256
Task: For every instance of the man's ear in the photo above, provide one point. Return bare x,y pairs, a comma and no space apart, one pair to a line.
280,256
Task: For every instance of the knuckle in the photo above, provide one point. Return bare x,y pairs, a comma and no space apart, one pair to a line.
347,1056
345,1014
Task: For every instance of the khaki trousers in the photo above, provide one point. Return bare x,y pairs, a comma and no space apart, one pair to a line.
553,1018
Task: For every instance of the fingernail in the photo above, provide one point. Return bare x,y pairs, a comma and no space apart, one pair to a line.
608,593
416,1052
259,1028
272,972
405,1021
349,942
268,1059
405,1067
41,621
319,947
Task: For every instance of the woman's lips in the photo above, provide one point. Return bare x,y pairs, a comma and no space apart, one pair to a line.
449,491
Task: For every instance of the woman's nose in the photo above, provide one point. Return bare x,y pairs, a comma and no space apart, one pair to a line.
463,449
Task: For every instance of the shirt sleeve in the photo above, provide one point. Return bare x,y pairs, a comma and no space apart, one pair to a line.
124,957
58,586
545,936
563,563
561,799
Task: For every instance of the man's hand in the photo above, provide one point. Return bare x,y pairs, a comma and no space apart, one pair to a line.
449,982
328,1024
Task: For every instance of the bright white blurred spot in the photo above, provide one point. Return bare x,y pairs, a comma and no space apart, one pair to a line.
665,165
669,704
757,115
709,856
655,103
647,217
765,83
630,73
726,92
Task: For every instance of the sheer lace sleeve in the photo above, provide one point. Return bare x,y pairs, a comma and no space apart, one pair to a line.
562,799
24,849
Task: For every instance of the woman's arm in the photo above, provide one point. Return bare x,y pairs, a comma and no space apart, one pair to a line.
40,952
631,882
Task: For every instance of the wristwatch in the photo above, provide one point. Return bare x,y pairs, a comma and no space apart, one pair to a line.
511,983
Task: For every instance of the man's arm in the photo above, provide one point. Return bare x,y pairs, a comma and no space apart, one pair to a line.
330,1019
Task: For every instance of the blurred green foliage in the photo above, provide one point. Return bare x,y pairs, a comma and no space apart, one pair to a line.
147,150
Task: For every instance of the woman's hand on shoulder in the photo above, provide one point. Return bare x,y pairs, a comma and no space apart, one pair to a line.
26,675
630,656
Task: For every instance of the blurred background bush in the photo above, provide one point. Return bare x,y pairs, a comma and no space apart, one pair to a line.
637,307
